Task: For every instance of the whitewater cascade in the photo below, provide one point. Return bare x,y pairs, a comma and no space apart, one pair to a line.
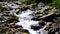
26,22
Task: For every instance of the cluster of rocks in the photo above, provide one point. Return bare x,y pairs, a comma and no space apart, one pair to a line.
8,19
48,14
42,12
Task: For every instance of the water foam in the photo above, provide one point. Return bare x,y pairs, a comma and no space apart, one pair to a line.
26,22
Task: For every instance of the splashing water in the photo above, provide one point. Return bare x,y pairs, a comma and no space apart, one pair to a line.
26,22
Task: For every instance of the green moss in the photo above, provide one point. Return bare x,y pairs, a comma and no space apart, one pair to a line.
25,33
52,11
13,18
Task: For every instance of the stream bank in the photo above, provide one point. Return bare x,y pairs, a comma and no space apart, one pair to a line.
40,18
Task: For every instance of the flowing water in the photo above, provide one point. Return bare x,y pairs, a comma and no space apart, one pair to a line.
26,22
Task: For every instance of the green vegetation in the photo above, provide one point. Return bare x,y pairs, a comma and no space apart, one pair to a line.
54,3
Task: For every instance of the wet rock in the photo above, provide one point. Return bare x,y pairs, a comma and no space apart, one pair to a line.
44,12
2,19
17,2
24,31
23,7
41,5
48,28
36,27
49,18
51,32
6,7
16,26
58,12
45,32
12,19
12,5
42,23
32,5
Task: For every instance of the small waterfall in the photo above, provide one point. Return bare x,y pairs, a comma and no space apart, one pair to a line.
26,22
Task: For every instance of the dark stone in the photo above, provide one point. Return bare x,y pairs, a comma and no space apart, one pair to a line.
24,30
49,18
50,24
47,28
34,19
46,11
40,5
36,27
18,26
24,8
51,32
57,29
42,23
1,19
12,19
58,13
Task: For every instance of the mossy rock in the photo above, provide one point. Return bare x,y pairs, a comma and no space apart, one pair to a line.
12,19
52,11
24,33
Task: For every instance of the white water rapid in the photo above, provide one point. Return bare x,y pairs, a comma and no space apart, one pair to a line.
26,22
